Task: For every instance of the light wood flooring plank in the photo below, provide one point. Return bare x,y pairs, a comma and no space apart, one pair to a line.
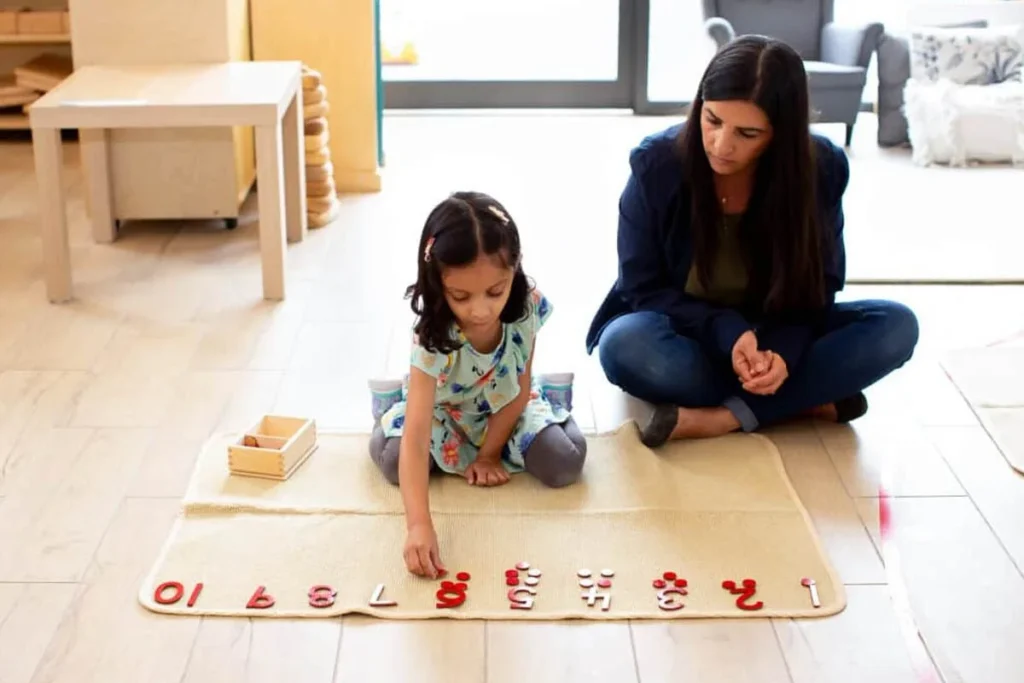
293,650
58,527
560,653
861,643
386,651
996,489
105,634
221,651
29,615
862,449
832,511
921,393
965,591
720,650
166,463
36,400
66,337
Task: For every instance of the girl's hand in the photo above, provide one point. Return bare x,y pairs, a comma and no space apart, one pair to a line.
421,555
486,472
770,381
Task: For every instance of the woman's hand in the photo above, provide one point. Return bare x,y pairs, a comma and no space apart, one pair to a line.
421,555
486,472
773,377
747,362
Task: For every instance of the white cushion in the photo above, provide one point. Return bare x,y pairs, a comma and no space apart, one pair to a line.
955,124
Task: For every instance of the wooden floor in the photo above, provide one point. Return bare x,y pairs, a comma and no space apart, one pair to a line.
105,401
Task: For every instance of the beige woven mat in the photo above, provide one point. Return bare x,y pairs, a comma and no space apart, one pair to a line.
992,380
709,511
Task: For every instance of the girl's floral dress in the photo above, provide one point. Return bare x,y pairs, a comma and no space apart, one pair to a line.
473,385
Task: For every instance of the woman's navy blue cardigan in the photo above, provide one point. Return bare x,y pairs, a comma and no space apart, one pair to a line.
656,250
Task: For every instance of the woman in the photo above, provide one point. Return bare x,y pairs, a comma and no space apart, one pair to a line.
730,245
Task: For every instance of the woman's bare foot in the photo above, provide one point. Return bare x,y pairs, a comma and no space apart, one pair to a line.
843,411
702,423
826,412
669,422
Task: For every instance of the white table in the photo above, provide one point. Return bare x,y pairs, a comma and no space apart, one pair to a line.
265,95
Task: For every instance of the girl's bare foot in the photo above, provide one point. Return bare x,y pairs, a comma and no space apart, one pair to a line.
669,422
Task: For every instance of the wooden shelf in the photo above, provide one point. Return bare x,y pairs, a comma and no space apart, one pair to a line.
35,39
13,122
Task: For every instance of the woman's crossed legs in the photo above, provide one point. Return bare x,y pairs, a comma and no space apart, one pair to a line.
861,342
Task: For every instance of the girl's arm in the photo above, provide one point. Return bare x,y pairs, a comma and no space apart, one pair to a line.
414,449
501,424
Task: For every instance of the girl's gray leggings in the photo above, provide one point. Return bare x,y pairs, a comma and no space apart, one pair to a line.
555,457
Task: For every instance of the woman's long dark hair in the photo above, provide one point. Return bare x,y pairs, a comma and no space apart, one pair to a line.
460,229
781,229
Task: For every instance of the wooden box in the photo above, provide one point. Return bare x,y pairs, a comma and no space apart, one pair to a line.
40,22
273,448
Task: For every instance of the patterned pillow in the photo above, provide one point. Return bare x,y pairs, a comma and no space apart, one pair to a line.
967,56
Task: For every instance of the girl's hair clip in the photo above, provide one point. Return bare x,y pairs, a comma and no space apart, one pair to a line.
426,250
499,213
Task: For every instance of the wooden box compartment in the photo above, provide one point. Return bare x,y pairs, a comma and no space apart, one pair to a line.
41,22
273,448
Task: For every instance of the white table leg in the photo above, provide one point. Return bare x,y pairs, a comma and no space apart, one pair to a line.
95,153
270,195
295,170
53,224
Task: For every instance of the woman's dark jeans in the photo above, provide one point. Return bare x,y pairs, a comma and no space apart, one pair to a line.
860,343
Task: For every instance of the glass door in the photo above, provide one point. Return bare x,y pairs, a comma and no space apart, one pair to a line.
448,54
673,48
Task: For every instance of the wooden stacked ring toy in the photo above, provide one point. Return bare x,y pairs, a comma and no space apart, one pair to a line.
322,205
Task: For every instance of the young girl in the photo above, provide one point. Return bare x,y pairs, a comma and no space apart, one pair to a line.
469,406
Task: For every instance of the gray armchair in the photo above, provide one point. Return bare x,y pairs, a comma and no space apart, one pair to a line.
836,57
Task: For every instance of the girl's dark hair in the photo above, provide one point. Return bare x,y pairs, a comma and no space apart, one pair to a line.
461,228
781,230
